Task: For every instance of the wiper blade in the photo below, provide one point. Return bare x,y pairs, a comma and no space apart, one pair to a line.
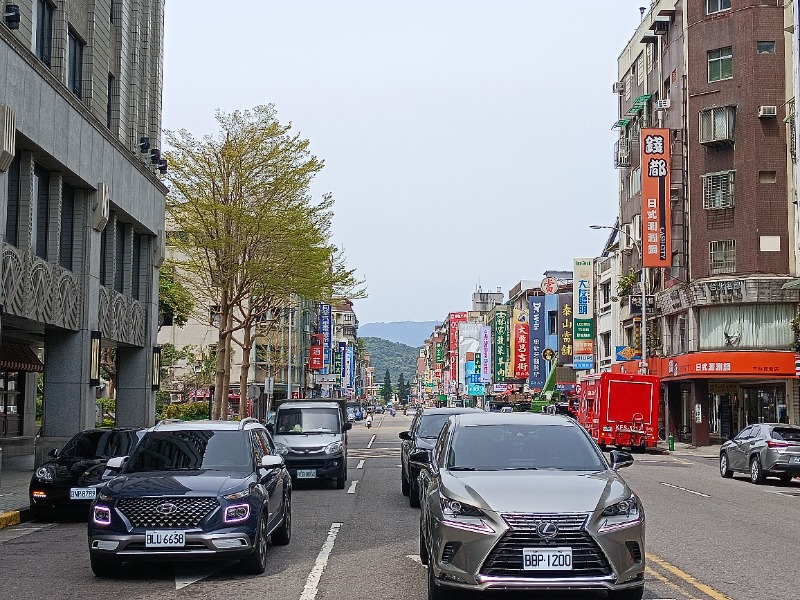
520,468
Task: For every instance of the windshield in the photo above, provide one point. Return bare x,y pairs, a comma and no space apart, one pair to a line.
786,434
191,450
431,425
308,420
522,446
100,444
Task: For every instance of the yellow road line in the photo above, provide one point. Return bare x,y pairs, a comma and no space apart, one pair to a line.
665,581
683,575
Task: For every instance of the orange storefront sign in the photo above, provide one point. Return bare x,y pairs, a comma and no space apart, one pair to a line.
718,365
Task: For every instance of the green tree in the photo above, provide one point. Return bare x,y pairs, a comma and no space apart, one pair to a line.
401,389
386,388
175,301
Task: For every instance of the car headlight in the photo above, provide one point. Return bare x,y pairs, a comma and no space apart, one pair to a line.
282,449
624,513
454,508
45,474
333,448
236,513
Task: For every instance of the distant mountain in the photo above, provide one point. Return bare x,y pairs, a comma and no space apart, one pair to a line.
398,358
410,333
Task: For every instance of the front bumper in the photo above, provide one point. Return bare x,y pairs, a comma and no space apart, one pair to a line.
327,466
54,499
199,546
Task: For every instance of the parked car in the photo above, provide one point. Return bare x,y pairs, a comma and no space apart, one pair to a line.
763,450
425,428
380,409
197,490
66,484
527,502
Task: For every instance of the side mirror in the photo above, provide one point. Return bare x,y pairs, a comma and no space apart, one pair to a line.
421,459
405,435
53,452
347,426
271,461
115,464
621,459
271,428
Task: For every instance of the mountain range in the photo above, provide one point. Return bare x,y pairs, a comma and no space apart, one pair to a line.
410,333
397,358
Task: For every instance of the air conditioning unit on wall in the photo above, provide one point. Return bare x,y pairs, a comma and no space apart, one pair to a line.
618,87
662,104
767,111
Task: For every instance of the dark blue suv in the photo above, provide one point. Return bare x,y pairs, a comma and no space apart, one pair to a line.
194,490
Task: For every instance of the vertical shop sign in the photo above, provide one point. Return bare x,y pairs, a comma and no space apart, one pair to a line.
455,319
583,323
500,345
656,227
469,335
538,372
486,354
521,341
439,353
325,330
564,329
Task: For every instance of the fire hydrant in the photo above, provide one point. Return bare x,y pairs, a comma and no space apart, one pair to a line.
671,441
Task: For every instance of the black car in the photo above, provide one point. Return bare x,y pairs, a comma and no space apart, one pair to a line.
196,490
425,429
67,484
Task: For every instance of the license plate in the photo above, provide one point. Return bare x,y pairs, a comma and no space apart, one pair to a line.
795,459
164,538
306,473
82,493
547,559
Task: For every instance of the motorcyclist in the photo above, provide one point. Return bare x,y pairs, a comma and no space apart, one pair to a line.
369,420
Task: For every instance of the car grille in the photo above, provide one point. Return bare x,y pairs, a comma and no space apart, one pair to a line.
188,512
505,559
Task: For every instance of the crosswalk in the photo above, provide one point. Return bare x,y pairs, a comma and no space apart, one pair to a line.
359,453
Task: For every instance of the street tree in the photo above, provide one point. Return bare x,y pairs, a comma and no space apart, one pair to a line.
386,388
175,300
401,389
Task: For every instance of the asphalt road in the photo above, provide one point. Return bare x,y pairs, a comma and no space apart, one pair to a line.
707,538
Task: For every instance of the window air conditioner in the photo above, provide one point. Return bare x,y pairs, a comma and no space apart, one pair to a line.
767,111
618,87
662,104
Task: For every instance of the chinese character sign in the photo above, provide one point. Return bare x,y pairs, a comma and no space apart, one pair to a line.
537,370
316,355
439,353
500,345
565,329
656,218
469,335
583,305
325,330
520,345
486,354
455,319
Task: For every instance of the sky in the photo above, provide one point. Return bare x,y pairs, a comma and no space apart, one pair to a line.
467,143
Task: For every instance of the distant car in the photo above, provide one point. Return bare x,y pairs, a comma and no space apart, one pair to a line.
351,414
379,410
763,450
67,484
422,435
506,409
411,411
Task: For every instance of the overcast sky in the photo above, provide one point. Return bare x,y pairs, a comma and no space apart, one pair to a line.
466,142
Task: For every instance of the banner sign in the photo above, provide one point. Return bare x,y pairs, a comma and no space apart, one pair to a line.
469,335
564,329
583,323
656,218
538,370
521,335
475,389
349,368
439,353
486,354
325,330
500,345
341,363
315,357
454,319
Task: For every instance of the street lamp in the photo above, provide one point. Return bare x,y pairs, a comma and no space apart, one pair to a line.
638,245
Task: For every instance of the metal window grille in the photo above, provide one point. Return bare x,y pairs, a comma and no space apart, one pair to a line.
722,256
716,124
718,190
622,156
790,119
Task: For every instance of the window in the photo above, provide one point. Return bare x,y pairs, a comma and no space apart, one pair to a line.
75,65
628,85
605,344
717,124
552,322
634,182
214,314
348,317
67,226
119,258
110,101
605,292
136,271
636,227
649,57
640,70
720,64
718,190
43,32
40,213
12,211
746,326
767,176
722,256
103,255
765,47
715,6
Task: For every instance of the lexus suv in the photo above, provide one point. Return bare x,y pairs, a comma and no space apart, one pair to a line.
194,490
527,502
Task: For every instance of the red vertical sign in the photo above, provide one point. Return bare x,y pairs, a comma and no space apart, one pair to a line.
316,359
455,319
521,340
656,217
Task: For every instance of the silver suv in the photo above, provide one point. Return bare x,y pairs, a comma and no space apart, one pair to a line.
763,450
527,501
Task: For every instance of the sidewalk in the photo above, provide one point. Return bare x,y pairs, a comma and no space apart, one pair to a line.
15,477
684,449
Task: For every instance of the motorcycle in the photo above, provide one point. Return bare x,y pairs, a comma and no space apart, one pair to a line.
369,423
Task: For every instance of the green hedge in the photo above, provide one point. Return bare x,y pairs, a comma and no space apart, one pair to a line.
191,411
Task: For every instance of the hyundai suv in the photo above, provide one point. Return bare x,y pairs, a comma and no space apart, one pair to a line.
195,490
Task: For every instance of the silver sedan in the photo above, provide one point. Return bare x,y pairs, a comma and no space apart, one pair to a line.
527,502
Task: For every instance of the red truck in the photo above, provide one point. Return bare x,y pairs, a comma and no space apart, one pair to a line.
620,409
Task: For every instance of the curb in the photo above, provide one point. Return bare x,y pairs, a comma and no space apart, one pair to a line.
15,517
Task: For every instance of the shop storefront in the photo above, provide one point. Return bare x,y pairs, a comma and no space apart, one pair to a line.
16,407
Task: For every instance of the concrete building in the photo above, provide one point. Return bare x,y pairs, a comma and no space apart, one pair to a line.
720,333
82,211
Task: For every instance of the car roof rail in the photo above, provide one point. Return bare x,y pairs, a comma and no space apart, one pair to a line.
247,420
165,422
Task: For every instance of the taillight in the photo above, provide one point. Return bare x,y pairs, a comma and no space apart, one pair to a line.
776,444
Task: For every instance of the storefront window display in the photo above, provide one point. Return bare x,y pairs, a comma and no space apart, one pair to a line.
765,404
10,403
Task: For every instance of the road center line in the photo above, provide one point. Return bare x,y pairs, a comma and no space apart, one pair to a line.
360,464
683,489
371,440
707,590
312,582
352,489
653,573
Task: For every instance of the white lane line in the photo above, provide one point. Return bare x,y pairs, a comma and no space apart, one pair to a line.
312,582
372,440
683,489
360,464
415,558
352,489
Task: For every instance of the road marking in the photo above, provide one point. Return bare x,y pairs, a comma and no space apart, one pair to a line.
706,589
359,453
312,582
360,464
372,440
352,489
653,573
194,573
683,489
415,558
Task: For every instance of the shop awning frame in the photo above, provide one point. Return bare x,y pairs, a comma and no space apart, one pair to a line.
19,357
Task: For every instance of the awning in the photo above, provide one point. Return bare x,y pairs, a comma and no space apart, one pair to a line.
19,357
794,284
